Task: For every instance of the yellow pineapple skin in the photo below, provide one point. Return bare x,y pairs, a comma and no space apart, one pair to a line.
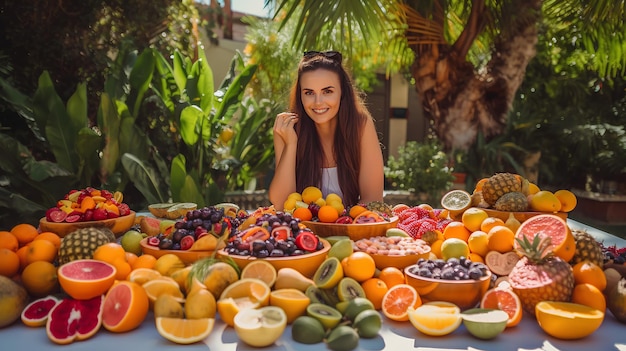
498,185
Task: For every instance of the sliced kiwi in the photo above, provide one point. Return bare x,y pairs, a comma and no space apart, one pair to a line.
317,295
348,289
328,316
328,274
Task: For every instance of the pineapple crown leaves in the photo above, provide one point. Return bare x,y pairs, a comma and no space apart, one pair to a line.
538,250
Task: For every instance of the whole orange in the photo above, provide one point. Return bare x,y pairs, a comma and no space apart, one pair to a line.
40,250
40,278
392,276
375,289
109,252
589,273
24,233
359,266
327,214
456,229
144,261
8,241
51,237
9,262
303,213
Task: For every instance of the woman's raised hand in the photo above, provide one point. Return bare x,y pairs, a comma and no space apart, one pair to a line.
284,127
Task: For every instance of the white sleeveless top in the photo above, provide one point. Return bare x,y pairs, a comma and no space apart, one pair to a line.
330,182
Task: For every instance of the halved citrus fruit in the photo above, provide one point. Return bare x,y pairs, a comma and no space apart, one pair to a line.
436,318
503,298
545,225
293,301
184,331
85,279
143,275
253,291
456,202
566,320
397,300
244,293
125,307
155,288
260,269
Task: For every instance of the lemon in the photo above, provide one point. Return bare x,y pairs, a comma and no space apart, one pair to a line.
435,318
454,247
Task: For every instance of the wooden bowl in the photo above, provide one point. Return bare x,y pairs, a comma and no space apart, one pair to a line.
463,293
354,231
306,264
520,216
118,226
186,256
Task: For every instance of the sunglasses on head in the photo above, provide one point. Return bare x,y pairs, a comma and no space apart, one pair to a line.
333,55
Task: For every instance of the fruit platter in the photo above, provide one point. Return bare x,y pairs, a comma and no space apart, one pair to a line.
450,277
88,208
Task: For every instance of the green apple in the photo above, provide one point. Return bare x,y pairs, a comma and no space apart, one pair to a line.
131,242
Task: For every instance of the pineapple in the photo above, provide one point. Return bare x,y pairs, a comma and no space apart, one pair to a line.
82,243
540,275
587,249
498,185
512,202
381,208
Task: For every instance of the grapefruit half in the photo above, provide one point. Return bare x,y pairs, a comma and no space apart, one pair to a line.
545,225
85,279
125,307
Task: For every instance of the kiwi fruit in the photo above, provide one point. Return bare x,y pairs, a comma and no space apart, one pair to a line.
328,274
348,288
317,295
328,316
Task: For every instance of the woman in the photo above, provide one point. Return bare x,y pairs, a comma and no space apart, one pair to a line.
328,140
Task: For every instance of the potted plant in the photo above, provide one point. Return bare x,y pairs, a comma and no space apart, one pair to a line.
421,169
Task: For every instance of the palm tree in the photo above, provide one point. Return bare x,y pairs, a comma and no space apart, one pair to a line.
467,58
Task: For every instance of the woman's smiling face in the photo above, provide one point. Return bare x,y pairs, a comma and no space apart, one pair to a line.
321,94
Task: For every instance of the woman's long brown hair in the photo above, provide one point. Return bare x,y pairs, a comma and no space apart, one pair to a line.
351,119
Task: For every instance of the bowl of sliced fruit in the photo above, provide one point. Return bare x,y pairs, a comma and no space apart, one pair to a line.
278,238
118,225
88,207
368,224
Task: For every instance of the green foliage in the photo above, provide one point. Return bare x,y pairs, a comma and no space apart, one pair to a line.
420,168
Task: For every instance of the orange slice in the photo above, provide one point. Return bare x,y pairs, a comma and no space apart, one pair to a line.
398,299
143,275
566,320
504,299
260,269
157,287
184,331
